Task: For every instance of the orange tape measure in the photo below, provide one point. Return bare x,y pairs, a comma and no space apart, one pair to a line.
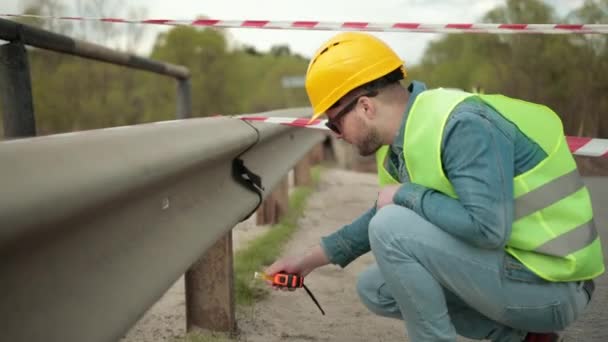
289,281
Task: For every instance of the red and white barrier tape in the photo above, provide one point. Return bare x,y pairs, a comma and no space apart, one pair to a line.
297,122
580,146
352,26
591,147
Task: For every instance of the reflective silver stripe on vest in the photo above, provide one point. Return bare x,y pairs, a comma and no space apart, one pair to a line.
550,193
570,242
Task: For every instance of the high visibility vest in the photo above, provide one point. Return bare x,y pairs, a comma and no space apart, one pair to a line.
553,231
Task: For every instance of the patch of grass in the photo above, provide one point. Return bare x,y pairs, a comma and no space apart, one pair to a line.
315,174
265,249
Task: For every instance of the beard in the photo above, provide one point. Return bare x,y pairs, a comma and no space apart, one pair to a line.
370,143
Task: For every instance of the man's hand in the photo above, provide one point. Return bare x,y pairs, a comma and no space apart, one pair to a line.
386,194
291,264
301,265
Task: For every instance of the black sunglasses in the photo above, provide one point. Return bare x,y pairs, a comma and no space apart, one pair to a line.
334,124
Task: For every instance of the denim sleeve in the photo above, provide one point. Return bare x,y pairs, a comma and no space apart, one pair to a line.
349,242
478,160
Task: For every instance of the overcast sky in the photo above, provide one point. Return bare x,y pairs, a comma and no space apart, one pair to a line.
410,46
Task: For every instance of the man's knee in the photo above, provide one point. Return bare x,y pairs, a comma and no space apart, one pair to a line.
387,223
374,295
368,284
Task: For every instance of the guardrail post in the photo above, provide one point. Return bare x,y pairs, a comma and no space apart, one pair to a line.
275,205
210,289
301,172
317,154
281,196
184,103
16,91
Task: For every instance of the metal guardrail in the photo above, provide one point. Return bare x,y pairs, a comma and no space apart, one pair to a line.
15,83
95,226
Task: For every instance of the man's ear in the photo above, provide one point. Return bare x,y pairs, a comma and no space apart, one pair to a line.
369,107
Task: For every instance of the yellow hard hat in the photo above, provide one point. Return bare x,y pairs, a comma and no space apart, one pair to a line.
345,62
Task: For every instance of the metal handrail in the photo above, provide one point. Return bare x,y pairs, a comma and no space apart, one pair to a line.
33,36
15,83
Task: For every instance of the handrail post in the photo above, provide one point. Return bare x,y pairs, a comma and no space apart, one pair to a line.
184,102
16,91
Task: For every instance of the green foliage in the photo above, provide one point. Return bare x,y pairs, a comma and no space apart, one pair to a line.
565,72
72,93
260,79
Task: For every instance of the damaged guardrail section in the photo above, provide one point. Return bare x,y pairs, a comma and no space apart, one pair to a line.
95,226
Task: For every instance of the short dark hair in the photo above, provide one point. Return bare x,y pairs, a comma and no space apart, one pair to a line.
377,84
388,79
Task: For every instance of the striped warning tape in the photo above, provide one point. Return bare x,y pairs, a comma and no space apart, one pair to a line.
581,146
351,26
591,147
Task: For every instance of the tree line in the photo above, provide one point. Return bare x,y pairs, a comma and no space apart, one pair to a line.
566,72
569,73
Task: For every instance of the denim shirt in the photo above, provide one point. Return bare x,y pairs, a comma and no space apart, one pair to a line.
481,154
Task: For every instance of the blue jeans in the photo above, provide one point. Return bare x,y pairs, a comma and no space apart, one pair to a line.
441,286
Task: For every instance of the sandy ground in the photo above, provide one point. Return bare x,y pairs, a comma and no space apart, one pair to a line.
292,316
